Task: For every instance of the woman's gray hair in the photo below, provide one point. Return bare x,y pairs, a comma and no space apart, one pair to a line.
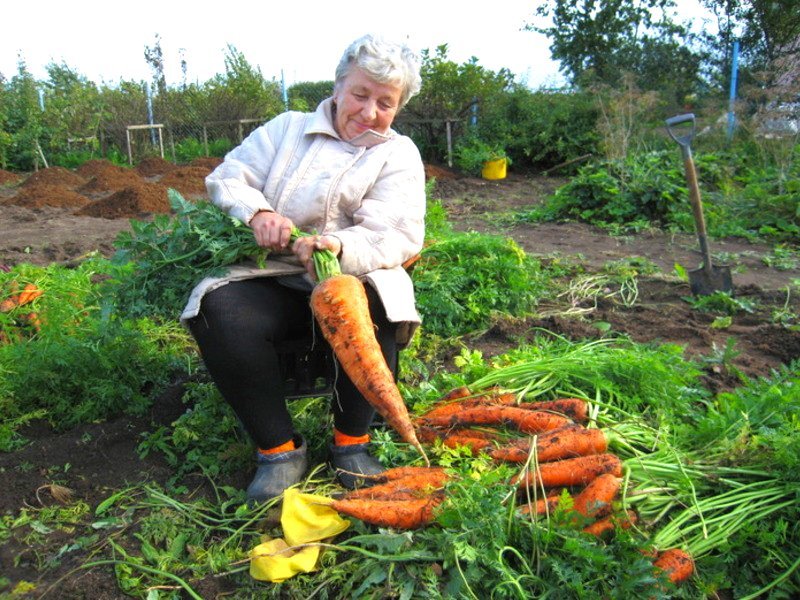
385,61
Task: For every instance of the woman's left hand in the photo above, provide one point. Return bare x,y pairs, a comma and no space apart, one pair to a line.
304,247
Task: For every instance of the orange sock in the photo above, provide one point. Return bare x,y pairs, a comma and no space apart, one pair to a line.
342,439
285,447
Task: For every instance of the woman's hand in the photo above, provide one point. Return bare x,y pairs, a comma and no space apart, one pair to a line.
271,230
304,247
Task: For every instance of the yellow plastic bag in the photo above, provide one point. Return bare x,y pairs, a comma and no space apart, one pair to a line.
305,518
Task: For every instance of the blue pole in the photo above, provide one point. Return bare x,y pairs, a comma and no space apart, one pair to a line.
732,100
150,113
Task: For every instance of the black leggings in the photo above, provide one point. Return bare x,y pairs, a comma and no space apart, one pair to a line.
236,329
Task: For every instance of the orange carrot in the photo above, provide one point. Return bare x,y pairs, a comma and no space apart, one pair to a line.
595,499
676,563
398,514
412,486
565,442
602,526
28,294
340,305
571,472
543,505
449,406
526,421
574,408
9,303
455,394
402,472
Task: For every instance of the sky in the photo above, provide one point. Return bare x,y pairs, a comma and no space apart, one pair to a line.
294,41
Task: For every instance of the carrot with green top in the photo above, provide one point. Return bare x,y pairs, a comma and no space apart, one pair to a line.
569,441
570,472
339,304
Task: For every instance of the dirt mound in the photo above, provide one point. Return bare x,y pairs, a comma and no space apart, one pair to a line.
130,202
98,166
111,181
207,162
189,181
439,173
7,177
39,195
153,166
55,176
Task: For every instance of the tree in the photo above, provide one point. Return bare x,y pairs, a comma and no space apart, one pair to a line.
155,58
598,41
768,31
450,91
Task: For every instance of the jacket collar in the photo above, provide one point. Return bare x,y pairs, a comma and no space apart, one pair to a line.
321,121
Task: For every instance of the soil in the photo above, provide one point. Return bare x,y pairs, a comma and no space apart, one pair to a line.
55,215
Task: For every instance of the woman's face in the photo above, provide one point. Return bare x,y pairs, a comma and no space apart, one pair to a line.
362,104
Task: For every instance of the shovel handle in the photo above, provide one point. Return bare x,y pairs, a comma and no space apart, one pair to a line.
685,140
697,211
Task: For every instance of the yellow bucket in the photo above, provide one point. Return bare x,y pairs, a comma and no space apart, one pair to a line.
494,169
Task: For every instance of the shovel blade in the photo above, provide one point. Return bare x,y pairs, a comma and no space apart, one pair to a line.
704,283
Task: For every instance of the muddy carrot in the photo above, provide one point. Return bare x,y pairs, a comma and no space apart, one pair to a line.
398,514
412,486
574,408
602,526
571,472
595,499
526,421
402,472
566,442
445,409
676,563
339,304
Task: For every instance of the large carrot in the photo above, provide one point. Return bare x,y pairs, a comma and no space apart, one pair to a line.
571,472
398,514
526,421
595,499
676,563
339,304
566,442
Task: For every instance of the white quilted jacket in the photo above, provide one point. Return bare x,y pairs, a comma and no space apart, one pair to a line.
370,193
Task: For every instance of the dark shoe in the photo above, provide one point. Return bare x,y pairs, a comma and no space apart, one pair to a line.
351,461
276,472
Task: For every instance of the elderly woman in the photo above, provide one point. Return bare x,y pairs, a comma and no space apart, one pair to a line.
343,174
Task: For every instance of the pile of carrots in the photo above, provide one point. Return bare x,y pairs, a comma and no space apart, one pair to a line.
20,322
560,453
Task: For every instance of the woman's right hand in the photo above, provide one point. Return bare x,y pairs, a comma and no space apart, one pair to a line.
271,230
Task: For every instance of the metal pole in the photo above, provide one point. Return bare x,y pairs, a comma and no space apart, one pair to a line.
449,144
732,99
150,113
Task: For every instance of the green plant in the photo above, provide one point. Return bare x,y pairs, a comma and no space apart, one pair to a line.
471,153
722,303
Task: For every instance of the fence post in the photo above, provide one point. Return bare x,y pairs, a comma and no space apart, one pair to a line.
205,138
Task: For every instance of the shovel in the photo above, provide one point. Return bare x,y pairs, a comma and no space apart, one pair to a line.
708,278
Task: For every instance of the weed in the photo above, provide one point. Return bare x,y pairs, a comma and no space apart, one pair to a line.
722,303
